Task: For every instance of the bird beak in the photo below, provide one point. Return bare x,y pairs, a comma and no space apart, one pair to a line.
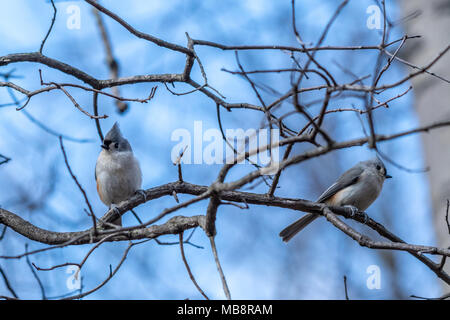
388,176
104,146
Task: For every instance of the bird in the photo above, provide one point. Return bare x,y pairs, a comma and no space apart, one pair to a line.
356,188
117,171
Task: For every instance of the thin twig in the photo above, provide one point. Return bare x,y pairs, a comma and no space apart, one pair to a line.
112,63
41,125
345,288
74,178
50,29
189,269
219,268
446,217
443,297
74,102
186,241
41,286
136,216
97,122
110,276
4,160
8,284
2,234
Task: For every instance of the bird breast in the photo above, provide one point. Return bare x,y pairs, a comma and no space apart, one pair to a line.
361,194
118,176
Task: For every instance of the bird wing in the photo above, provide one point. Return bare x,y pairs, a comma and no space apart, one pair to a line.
348,178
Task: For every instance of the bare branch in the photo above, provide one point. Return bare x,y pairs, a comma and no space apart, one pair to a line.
219,268
91,212
7,283
112,63
189,269
51,27
137,33
345,288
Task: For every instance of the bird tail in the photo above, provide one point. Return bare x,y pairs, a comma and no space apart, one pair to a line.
291,230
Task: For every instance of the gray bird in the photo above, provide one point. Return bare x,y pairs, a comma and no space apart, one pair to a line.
357,188
117,172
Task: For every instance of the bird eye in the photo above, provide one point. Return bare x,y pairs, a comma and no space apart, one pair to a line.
378,167
116,145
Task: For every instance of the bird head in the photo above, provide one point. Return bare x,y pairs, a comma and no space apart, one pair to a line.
114,141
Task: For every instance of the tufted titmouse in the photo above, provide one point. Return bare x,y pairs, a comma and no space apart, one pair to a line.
117,172
358,187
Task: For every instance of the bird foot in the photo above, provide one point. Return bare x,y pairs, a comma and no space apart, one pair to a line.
366,217
118,220
116,210
114,224
355,211
142,193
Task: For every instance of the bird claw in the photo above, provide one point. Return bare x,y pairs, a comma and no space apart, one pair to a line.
116,210
354,210
142,193
110,224
366,217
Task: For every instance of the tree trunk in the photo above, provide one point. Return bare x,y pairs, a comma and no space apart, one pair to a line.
432,97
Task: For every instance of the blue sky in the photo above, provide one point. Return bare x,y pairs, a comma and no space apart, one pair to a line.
255,261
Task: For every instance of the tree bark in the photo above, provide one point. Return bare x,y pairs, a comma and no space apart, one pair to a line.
432,98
